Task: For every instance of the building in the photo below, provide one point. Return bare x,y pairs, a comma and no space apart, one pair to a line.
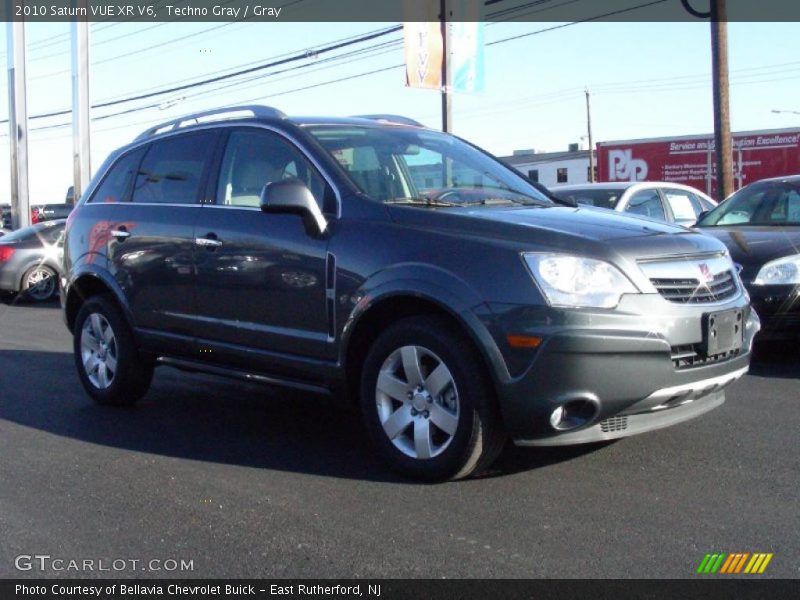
552,168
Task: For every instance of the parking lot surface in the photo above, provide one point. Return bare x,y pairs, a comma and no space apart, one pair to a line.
248,481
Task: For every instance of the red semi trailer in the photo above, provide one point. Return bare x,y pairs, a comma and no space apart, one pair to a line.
691,160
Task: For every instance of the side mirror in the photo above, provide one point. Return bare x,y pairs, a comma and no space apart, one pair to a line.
292,196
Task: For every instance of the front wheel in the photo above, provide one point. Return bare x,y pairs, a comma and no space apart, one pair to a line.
109,365
428,403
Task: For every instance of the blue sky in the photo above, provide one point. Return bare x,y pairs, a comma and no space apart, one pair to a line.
647,79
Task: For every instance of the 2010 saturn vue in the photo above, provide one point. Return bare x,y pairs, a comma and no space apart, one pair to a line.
402,268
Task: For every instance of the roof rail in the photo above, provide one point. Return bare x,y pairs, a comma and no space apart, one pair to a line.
399,119
209,116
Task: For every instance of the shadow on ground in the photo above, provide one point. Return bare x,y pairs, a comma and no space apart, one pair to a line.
213,419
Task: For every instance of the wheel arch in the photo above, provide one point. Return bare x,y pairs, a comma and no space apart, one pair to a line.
382,307
86,285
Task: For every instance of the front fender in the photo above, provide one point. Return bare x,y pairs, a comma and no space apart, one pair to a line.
437,286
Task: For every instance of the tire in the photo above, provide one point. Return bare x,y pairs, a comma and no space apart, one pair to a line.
446,427
39,284
109,366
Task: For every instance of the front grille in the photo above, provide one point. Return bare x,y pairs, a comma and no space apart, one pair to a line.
614,424
692,291
687,356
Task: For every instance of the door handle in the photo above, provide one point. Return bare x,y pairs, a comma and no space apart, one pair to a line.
121,233
208,242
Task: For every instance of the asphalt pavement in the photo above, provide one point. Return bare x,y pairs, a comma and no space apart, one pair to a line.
248,481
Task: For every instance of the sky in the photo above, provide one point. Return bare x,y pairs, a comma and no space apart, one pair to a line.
646,80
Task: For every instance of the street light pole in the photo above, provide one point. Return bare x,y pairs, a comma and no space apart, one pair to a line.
80,106
18,124
722,119
447,104
589,133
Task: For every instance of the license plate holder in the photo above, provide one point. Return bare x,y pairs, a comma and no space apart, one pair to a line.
723,331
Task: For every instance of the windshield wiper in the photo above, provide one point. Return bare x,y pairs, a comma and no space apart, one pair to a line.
422,202
485,201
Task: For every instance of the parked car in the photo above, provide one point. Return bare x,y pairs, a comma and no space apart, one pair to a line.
39,213
760,225
30,260
302,252
671,202
4,231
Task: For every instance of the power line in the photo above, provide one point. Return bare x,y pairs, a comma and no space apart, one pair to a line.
207,81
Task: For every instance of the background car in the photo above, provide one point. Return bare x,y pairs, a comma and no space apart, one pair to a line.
30,260
4,231
760,225
671,202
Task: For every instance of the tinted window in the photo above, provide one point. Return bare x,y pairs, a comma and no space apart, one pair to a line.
773,203
117,181
256,158
172,169
647,203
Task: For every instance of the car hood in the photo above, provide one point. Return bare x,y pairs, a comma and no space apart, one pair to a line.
577,229
753,246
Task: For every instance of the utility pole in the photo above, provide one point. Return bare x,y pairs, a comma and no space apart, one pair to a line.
589,132
722,117
18,124
81,158
447,104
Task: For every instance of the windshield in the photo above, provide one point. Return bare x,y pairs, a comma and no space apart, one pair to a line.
409,166
591,197
768,203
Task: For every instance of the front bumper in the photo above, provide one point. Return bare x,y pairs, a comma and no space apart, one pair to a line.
662,408
636,377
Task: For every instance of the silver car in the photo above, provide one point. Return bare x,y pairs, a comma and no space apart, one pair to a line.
671,202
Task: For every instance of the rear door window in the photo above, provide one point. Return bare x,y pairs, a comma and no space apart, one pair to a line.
117,182
684,205
172,169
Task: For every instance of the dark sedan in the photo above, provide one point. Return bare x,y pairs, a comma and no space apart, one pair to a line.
30,260
760,225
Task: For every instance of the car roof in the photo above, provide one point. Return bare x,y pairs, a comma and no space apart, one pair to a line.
791,178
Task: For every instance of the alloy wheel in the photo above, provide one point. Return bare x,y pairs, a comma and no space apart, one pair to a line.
417,402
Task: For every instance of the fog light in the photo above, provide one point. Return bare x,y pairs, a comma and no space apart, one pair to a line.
574,413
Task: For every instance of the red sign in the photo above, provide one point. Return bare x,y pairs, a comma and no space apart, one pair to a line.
692,161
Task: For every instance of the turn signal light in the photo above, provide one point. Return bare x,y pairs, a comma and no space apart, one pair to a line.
523,341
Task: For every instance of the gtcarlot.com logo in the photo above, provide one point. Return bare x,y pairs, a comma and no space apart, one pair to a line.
45,562
734,564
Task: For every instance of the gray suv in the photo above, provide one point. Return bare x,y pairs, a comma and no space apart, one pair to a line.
401,269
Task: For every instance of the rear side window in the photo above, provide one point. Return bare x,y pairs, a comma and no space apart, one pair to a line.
172,169
117,182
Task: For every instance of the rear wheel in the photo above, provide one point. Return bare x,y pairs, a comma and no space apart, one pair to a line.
40,283
428,402
109,366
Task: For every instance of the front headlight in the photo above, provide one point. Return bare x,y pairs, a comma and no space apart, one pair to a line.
781,270
576,281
